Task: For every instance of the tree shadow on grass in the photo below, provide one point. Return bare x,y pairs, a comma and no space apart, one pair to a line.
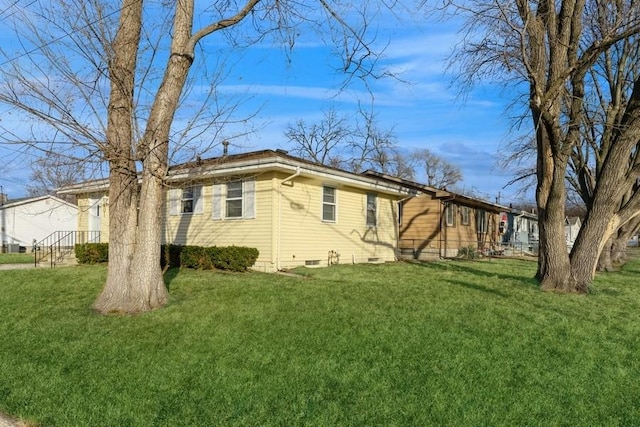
455,266
481,288
169,276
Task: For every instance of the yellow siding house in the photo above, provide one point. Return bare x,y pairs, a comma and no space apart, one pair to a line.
293,211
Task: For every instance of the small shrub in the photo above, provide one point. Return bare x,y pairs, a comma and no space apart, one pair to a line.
234,258
195,257
92,253
230,258
469,252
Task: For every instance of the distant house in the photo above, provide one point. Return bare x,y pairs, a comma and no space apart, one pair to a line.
26,220
438,223
293,211
572,226
520,231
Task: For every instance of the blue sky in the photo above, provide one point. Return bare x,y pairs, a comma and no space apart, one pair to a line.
424,109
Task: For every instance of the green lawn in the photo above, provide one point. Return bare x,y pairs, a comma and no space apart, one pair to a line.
448,343
16,258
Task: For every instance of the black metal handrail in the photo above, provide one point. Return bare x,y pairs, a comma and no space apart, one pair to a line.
59,244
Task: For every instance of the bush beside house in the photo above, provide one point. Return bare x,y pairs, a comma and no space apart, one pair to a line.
230,258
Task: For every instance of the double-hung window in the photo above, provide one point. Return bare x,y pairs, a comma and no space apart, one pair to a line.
233,201
481,221
464,215
449,215
328,204
372,207
186,203
185,200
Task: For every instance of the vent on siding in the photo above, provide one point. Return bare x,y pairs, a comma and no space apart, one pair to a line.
373,259
312,262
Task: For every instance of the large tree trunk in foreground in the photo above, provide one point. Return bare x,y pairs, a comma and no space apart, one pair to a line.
612,207
554,268
135,283
120,293
598,228
154,151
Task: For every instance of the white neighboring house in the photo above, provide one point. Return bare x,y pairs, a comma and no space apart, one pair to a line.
24,220
572,226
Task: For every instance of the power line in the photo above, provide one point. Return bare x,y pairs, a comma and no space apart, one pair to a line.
5,179
13,5
55,40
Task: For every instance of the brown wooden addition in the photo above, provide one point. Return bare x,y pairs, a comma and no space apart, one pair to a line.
436,223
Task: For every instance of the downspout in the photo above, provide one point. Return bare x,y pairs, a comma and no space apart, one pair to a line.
289,178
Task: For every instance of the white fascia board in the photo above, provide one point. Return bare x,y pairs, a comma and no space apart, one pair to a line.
287,166
253,166
86,187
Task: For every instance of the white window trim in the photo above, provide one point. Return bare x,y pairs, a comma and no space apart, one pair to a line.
175,196
375,210
334,204
219,202
449,214
465,219
184,199
227,199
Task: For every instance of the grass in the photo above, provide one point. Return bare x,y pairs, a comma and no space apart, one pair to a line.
16,258
448,343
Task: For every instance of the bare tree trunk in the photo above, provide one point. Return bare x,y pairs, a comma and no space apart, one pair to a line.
154,149
135,281
614,253
145,271
605,262
620,243
118,290
554,268
591,244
